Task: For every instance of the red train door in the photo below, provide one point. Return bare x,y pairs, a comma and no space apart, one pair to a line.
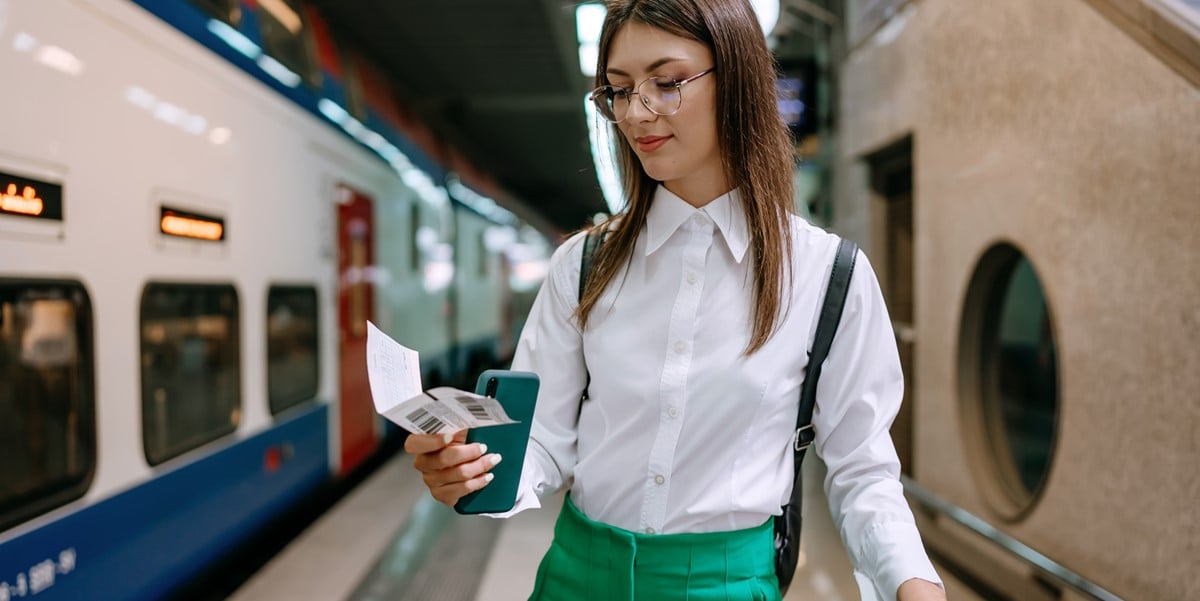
356,299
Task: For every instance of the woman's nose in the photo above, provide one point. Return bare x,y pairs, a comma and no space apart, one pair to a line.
640,105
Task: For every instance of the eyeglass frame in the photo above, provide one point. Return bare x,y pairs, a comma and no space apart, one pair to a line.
636,91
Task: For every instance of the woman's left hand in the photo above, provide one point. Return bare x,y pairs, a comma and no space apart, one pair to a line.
920,590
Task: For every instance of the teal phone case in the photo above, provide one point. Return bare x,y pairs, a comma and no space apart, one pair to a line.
517,392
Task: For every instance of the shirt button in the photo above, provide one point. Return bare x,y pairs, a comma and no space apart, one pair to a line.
659,480
691,278
680,347
673,412
649,530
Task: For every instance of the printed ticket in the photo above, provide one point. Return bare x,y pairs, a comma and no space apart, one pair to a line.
394,373
447,410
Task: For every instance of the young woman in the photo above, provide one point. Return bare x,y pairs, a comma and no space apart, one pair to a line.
694,327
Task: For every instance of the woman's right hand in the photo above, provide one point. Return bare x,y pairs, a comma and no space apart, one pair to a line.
450,467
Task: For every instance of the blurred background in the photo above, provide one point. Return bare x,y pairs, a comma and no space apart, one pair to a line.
203,201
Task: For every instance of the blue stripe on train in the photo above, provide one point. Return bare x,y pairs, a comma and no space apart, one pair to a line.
195,24
144,542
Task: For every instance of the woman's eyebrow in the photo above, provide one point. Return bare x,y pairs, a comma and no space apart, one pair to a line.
654,65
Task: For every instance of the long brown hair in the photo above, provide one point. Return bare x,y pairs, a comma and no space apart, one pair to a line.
756,147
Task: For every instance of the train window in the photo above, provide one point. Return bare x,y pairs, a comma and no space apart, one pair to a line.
415,250
223,10
191,381
1010,378
291,346
47,425
286,39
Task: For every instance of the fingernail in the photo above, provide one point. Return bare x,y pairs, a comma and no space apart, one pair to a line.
446,438
482,448
488,477
495,459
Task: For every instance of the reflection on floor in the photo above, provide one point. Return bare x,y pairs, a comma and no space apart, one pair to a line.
335,554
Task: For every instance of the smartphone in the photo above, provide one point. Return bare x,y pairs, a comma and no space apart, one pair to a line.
517,392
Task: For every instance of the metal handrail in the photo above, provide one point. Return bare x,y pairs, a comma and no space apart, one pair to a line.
1185,14
1015,547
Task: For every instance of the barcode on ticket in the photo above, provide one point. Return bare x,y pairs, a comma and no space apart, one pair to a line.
474,406
425,421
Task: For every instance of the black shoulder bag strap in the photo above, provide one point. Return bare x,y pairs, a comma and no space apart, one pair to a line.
787,526
592,242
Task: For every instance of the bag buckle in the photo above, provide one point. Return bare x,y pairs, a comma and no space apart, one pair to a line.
799,445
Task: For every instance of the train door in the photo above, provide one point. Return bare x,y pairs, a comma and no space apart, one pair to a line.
356,296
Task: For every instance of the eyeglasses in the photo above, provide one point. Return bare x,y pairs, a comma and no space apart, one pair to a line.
663,97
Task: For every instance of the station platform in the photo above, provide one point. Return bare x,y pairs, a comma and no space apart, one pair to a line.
389,540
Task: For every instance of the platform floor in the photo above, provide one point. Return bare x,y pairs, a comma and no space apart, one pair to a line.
389,540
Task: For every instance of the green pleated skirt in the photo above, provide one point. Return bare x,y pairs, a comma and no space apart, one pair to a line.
590,561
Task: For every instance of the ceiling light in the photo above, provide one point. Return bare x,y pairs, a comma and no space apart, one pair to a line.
234,38
768,14
23,42
60,60
589,19
276,69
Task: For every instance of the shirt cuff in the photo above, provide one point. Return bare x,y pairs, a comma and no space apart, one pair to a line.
899,556
526,496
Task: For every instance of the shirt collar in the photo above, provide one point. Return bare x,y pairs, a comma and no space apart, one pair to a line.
668,212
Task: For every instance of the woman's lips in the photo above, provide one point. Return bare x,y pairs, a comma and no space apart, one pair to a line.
651,143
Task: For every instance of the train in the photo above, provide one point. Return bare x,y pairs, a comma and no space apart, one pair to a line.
202,204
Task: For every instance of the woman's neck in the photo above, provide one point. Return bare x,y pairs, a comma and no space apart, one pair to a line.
699,189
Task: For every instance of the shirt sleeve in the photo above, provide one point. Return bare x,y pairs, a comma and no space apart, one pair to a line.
858,397
551,346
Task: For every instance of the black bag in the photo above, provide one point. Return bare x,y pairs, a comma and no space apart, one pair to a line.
787,525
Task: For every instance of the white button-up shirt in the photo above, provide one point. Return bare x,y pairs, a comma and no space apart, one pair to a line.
684,433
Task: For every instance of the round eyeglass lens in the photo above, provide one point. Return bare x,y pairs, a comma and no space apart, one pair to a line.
661,95
606,100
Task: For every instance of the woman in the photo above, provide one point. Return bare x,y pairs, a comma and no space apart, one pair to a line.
695,322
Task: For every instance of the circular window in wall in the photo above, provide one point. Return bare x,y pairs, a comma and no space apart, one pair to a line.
1009,379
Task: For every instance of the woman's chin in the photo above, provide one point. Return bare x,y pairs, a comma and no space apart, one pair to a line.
658,171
